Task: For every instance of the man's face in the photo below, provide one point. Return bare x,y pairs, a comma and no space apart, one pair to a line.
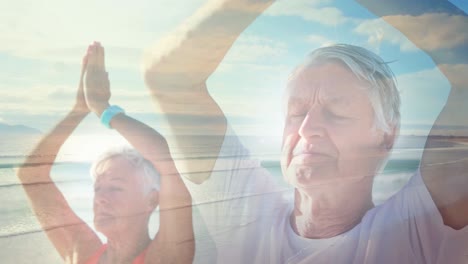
119,201
329,135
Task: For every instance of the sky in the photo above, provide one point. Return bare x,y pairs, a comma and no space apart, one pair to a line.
43,42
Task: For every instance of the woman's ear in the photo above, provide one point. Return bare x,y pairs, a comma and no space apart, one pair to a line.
153,199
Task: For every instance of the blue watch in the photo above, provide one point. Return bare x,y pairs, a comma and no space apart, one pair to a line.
109,113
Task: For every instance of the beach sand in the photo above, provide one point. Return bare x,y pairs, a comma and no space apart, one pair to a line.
28,248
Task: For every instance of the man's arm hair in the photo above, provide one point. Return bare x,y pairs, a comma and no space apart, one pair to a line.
444,171
72,237
176,74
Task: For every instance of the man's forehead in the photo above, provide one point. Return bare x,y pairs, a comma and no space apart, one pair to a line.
340,99
324,96
332,80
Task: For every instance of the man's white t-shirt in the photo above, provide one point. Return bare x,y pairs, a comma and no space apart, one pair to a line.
247,215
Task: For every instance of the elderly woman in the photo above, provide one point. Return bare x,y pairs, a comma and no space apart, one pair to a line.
129,185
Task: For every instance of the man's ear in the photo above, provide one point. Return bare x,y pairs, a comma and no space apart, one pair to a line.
390,137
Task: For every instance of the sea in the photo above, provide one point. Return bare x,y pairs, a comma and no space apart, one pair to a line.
73,179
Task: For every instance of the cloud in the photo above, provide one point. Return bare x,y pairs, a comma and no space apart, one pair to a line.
35,99
57,99
423,94
377,31
433,31
116,57
61,31
443,31
319,41
254,48
426,92
428,82
309,11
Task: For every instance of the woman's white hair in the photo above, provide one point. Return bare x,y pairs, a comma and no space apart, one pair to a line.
367,66
151,177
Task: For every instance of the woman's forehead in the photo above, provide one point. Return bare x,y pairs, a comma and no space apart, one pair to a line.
115,168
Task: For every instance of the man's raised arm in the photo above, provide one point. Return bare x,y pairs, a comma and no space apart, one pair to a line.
176,75
444,171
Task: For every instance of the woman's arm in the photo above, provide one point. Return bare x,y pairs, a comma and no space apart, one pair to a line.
72,237
174,242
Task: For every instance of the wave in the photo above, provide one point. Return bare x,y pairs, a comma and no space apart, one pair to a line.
16,164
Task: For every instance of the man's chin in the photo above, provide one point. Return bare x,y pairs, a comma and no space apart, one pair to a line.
311,177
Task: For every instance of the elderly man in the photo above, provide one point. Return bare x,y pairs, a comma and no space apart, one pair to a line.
128,186
341,122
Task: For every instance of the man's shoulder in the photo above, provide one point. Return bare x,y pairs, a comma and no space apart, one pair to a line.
411,208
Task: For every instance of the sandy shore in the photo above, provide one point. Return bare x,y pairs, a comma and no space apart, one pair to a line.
27,249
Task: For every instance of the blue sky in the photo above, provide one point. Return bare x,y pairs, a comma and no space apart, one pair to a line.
42,44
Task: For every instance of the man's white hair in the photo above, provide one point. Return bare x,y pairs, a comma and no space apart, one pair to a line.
151,177
369,67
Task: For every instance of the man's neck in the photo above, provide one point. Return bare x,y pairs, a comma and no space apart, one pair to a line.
329,210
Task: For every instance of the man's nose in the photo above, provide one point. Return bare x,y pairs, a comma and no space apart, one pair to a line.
313,125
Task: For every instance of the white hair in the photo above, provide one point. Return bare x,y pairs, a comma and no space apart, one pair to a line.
151,177
367,66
